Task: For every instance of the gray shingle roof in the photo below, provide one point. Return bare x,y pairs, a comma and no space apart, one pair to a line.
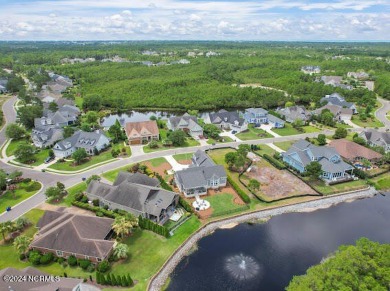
81,139
258,110
336,99
136,178
225,116
187,121
275,119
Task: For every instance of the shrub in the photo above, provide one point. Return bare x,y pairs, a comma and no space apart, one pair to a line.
65,275
72,261
35,258
103,266
185,205
91,268
84,199
46,258
33,187
239,191
27,180
60,260
22,257
99,214
95,202
78,196
276,163
84,264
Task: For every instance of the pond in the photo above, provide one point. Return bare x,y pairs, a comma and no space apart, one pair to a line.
266,256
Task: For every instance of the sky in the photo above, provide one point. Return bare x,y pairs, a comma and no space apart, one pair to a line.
278,20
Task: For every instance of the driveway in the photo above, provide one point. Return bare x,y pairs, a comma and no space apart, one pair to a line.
137,150
350,123
174,164
230,134
381,112
268,128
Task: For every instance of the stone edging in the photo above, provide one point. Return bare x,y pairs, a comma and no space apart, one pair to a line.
158,280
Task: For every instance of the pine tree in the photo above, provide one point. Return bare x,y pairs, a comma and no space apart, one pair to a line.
98,277
125,283
130,280
118,280
108,279
113,280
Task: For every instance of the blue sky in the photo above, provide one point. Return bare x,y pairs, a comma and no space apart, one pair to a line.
367,20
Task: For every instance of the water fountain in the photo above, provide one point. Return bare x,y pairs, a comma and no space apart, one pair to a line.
242,267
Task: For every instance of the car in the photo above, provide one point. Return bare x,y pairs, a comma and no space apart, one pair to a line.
234,131
8,208
213,144
49,159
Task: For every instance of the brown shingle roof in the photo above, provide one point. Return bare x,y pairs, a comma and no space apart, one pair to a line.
79,234
351,150
142,128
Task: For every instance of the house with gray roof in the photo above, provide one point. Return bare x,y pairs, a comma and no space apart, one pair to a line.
338,100
90,141
339,113
259,116
65,234
294,113
3,86
201,175
302,153
376,138
137,194
46,136
311,69
187,123
64,116
228,120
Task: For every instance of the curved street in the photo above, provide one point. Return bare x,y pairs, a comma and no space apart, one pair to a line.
382,112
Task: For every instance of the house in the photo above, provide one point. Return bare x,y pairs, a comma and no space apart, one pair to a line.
302,153
201,175
65,234
260,116
370,85
331,80
337,99
353,152
339,113
311,70
48,99
3,86
142,131
137,194
64,116
90,141
3,89
294,113
46,136
376,138
228,120
36,280
186,123
358,75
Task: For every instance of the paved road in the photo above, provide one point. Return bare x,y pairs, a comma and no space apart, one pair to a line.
381,112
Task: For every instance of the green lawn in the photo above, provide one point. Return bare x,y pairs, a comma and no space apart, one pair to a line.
284,145
371,122
264,149
149,251
310,129
382,182
111,175
225,140
253,133
40,157
72,191
157,161
22,193
190,142
286,130
182,157
343,125
321,187
222,202
13,145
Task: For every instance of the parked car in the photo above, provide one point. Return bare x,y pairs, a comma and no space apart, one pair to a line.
234,131
8,208
49,159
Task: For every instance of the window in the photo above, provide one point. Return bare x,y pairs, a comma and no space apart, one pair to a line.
86,257
99,259
59,253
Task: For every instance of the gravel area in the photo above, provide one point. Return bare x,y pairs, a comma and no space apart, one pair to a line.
159,279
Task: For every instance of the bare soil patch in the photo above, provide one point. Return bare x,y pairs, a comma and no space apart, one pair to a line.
161,169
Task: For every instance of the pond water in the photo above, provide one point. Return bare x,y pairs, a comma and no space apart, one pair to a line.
266,256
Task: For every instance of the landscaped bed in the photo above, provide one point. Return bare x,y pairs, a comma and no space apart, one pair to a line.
158,165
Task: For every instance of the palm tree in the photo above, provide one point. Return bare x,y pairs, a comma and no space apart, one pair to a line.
22,243
121,251
122,225
5,227
22,222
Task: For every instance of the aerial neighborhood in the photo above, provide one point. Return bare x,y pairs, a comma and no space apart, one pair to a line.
113,187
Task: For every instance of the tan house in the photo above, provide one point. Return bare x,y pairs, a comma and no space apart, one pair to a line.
142,132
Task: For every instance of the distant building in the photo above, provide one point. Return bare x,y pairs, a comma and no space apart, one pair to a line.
337,99
339,113
358,75
90,141
376,138
186,123
311,70
142,132
294,113
202,174
226,120
370,85
259,116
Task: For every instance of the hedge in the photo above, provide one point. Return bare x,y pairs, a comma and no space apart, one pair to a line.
279,165
114,280
95,209
185,205
146,223
239,191
163,183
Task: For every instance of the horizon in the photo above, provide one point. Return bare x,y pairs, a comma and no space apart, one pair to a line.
196,20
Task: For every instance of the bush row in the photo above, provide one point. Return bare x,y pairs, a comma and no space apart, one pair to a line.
114,280
145,223
185,205
163,184
277,164
239,191
96,209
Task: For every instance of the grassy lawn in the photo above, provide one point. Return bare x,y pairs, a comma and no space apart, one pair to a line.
264,149
225,139
343,125
182,157
24,191
321,187
288,129
13,145
157,161
253,133
284,145
149,251
190,142
371,122
111,175
40,157
310,129
72,191
222,202
382,182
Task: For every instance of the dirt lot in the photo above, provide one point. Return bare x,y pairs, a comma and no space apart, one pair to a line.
276,183
160,168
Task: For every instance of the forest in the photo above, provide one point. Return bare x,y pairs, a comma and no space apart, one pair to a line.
206,83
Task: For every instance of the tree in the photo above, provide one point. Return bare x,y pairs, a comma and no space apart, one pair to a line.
79,155
123,225
153,117
27,114
230,159
25,153
22,222
314,170
14,131
289,104
211,130
60,186
92,102
298,124
86,127
22,243
116,132
153,144
321,138
14,84
3,180
178,137
121,251
243,150
340,133
359,140
91,117
92,178
53,106
6,227
361,267
53,193
254,184
327,117
68,131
